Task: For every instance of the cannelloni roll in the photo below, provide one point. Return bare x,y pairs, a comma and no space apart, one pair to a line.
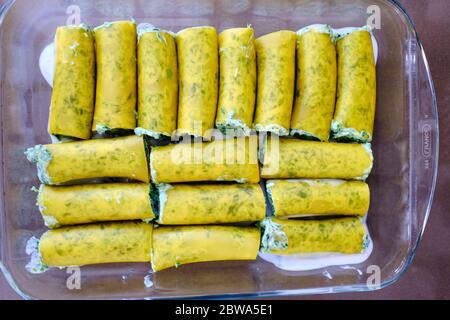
198,65
185,204
305,197
174,246
157,82
118,157
315,93
275,54
342,235
221,160
291,158
72,106
115,103
356,88
237,81
96,243
78,204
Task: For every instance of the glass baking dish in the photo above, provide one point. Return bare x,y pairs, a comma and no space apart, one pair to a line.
405,147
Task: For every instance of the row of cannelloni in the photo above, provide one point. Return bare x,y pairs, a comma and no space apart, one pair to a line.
159,83
173,246
304,180
133,241
135,199
234,160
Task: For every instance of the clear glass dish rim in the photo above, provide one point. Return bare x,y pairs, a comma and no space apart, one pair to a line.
309,291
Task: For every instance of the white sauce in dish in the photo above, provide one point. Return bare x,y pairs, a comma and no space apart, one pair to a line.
304,262
148,283
47,63
312,261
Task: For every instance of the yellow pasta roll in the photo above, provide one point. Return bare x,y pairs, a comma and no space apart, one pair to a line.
237,89
157,82
185,204
115,103
78,204
342,235
198,66
100,158
275,56
96,243
290,158
174,246
72,105
356,92
297,198
315,93
221,160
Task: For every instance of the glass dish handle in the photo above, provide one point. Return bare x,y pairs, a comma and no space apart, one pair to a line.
4,7
424,139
